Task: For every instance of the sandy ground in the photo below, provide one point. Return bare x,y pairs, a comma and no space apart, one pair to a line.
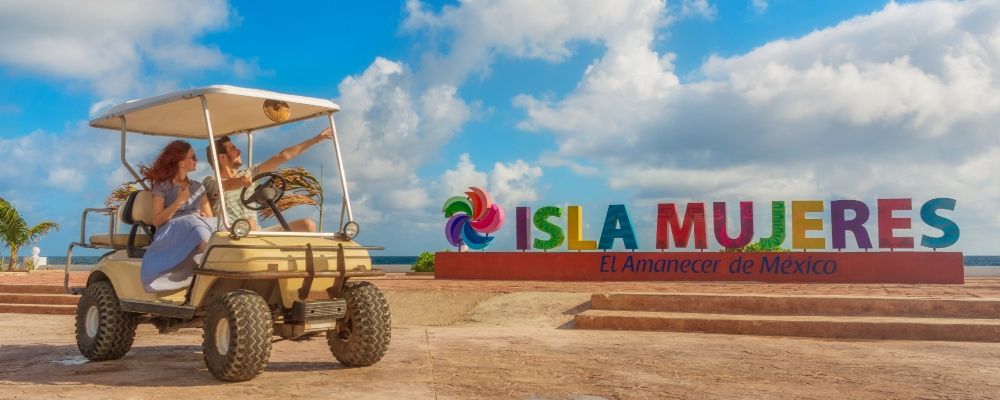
515,345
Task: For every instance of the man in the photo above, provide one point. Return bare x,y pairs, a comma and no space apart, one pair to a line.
235,179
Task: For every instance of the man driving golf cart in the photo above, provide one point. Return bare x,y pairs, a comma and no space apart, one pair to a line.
234,180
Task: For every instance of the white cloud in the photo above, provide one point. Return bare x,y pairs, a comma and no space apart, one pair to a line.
550,159
392,123
525,29
759,6
113,45
700,9
66,179
510,184
514,183
457,181
415,198
902,102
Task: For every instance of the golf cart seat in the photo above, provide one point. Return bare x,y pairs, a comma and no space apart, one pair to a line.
137,211
119,240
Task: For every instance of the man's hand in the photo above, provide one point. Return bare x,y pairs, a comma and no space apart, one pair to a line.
326,134
293,151
236,182
243,180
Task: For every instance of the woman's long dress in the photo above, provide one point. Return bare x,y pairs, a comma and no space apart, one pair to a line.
170,259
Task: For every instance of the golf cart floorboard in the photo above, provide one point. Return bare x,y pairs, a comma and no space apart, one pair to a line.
162,309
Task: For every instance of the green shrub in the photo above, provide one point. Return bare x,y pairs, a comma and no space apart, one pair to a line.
425,263
755,247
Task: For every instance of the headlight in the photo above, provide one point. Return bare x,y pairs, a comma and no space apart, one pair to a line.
240,228
351,229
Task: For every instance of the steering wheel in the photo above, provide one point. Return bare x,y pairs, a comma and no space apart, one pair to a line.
264,193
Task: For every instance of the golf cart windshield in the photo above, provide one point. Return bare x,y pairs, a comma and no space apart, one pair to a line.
211,112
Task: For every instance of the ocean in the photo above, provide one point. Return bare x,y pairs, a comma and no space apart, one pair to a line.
970,261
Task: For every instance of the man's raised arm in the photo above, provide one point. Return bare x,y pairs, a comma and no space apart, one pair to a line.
293,151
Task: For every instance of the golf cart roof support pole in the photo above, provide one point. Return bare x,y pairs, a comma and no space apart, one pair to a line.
340,169
250,148
215,156
125,162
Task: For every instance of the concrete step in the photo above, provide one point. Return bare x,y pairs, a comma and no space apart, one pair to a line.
988,308
59,309
834,327
39,289
34,298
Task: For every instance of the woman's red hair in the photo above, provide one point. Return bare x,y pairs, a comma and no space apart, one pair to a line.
166,165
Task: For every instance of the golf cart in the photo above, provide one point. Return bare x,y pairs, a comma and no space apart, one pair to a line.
248,286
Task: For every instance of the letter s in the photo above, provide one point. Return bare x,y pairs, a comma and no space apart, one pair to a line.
948,227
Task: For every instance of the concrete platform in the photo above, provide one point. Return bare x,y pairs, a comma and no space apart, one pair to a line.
35,298
839,317
760,304
53,309
865,328
37,288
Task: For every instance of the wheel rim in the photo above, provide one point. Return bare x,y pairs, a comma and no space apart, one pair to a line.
93,319
222,336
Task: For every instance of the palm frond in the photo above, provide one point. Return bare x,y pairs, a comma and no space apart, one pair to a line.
120,194
301,188
12,225
41,229
300,181
8,214
288,201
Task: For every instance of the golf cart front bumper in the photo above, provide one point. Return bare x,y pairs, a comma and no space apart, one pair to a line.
287,267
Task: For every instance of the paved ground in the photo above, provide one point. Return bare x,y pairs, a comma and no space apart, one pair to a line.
38,359
974,286
494,339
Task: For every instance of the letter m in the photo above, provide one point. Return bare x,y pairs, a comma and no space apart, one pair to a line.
667,225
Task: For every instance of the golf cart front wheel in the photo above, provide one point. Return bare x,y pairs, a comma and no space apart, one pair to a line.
103,330
237,336
362,337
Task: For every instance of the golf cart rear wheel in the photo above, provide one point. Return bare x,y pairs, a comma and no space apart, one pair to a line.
236,339
361,338
103,330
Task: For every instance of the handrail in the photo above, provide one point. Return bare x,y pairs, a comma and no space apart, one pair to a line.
111,212
125,162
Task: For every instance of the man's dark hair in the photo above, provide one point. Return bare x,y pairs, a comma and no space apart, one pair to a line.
218,147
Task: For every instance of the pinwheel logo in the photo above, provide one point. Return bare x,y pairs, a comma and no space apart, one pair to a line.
471,219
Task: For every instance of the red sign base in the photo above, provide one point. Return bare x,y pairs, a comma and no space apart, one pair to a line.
786,267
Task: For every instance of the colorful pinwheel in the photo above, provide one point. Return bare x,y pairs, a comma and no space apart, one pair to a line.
471,219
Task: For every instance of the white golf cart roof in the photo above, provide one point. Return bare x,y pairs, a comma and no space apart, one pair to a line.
233,109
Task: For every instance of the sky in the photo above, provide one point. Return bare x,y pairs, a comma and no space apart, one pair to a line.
542,103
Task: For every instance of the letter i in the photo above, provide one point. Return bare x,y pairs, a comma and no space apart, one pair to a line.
523,222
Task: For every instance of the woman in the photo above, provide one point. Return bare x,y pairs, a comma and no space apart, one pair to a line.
181,215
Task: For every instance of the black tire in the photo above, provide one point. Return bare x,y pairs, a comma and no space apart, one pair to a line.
103,330
247,318
362,337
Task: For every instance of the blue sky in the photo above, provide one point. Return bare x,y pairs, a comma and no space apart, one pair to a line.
632,102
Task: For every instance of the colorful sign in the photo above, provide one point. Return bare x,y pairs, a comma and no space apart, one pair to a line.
686,226
672,227
471,219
